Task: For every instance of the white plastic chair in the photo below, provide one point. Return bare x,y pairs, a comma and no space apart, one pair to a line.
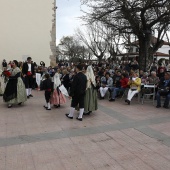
152,88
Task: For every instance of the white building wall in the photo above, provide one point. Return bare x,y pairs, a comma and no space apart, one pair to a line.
164,49
25,27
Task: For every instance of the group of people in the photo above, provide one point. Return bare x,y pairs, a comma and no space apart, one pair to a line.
119,80
18,82
81,86
84,83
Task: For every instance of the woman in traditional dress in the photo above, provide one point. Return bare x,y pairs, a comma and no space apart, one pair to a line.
15,92
65,79
57,97
90,101
2,84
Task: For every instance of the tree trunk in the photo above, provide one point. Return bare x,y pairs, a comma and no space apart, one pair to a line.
100,58
144,45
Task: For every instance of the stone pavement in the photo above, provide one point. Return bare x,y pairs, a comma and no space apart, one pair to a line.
116,137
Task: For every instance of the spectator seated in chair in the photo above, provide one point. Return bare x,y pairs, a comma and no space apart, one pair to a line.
134,83
144,78
98,85
105,85
120,87
152,79
164,90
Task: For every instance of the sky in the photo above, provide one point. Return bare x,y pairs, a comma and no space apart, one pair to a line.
67,19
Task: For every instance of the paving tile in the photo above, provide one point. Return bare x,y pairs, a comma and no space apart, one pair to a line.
50,166
102,160
20,162
111,138
76,163
44,157
156,161
160,149
139,136
162,127
2,158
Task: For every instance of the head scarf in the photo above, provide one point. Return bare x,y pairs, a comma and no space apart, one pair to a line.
90,77
57,81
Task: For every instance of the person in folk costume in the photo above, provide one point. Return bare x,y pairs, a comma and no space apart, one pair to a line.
65,79
57,97
2,84
15,89
77,93
47,86
90,100
4,64
28,74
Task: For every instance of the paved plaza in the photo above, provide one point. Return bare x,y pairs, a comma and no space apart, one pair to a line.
116,137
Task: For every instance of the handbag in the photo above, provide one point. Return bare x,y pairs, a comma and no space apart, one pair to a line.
94,87
163,92
63,90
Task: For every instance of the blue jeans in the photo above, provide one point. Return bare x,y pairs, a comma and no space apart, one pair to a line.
115,90
158,98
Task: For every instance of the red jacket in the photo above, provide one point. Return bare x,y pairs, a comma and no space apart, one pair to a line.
161,67
124,82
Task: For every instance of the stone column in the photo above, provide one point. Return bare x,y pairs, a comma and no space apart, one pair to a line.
53,37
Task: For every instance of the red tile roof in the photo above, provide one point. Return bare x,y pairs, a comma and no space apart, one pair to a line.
157,54
153,41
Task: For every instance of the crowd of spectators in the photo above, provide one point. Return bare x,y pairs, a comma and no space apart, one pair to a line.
114,78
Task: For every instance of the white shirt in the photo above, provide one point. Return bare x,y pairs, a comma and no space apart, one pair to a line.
29,67
134,78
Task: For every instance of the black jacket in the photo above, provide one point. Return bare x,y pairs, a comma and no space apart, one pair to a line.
66,81
78,86
116,81
25,69
4,64
162,84
47,84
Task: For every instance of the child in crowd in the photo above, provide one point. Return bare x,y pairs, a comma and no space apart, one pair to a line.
47,86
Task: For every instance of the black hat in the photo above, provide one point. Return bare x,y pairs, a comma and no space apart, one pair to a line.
80,67
29,58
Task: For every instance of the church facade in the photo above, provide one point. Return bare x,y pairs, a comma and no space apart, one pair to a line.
28,29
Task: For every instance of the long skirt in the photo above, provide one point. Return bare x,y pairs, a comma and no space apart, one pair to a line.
57,98
21,93
2,85
90,100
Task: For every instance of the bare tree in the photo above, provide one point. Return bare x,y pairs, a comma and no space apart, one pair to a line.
70,48
141,18
114,42
94,39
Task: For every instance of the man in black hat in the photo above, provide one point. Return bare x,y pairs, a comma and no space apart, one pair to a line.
28,74
77,93
4,64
